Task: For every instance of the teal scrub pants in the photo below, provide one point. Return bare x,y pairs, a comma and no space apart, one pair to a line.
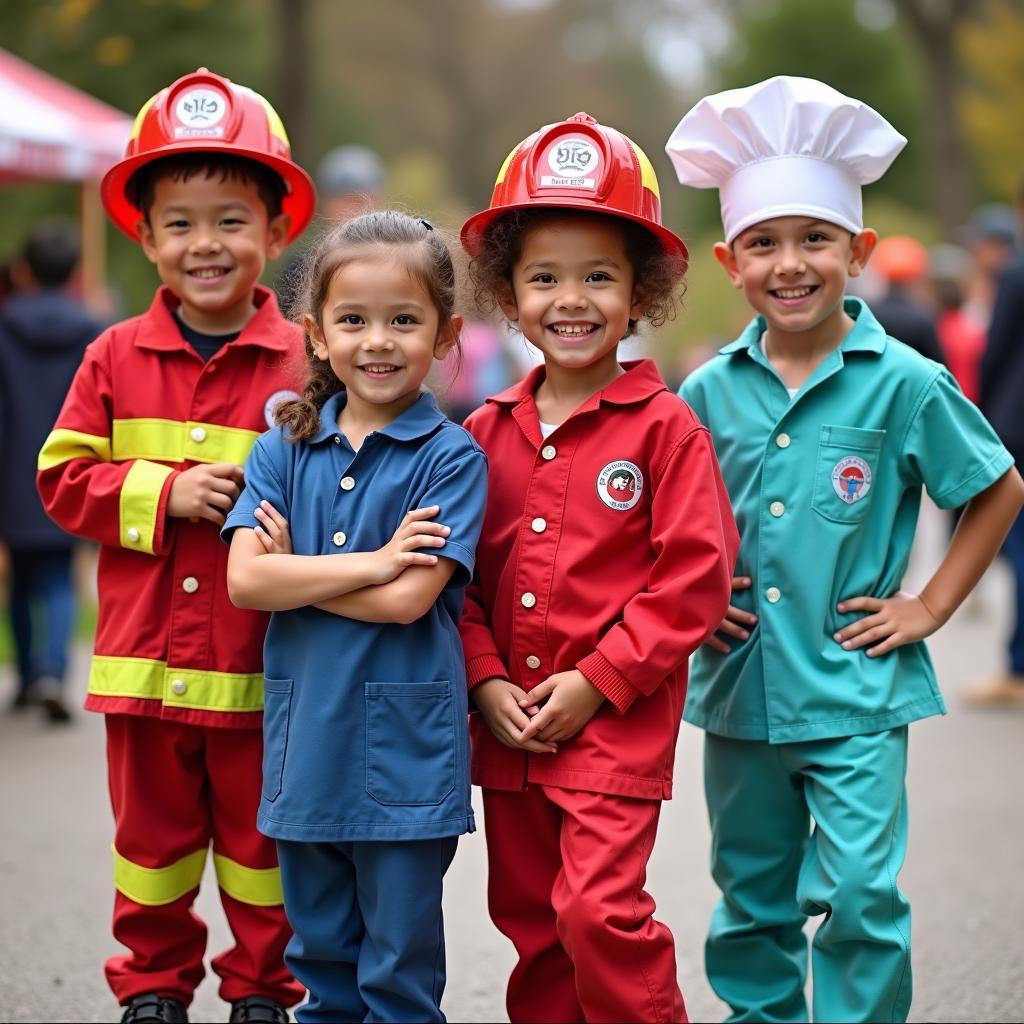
775,870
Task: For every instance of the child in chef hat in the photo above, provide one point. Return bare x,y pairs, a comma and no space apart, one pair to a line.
826,430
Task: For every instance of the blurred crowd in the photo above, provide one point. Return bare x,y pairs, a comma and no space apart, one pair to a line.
958,302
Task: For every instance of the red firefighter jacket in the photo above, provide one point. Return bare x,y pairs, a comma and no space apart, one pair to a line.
608,547
143,407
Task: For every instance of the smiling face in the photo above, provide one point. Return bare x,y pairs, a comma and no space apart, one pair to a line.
210,240
572,291
793,271
380,330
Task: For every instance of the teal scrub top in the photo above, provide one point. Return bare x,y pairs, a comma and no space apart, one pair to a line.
826,488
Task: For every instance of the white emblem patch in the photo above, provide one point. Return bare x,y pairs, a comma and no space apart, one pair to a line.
271,404
851,479
199,112
620,484
575,162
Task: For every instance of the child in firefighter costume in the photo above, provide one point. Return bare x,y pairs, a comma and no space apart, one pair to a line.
606,554
827,430
145,459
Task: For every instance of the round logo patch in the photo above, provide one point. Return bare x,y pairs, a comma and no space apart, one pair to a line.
271,404
620,484
851,479
199,111
575,162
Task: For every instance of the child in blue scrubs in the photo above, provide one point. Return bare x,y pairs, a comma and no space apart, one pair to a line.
826,430
357,529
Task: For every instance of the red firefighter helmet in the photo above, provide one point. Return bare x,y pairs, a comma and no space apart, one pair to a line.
203,112
578,164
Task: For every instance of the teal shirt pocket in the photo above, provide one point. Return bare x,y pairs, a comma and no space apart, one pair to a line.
410,742
845,471
277,704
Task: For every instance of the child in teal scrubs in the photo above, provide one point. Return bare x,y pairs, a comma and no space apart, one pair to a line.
826,430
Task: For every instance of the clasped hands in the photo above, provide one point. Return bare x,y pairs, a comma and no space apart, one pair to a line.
554,710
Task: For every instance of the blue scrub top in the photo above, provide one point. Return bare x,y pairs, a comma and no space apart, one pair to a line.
826,489
365,724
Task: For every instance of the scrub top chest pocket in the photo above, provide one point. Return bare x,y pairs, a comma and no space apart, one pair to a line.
846,470
410,742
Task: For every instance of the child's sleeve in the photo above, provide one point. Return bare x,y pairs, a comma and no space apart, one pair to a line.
120,504
459,488
264,475
695,542
950,447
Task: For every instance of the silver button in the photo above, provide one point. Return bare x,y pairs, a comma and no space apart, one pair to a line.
190,584
776,508
179,686
198,435
783,440
347,483
533,661
548,452
773,594
528,600
132,534
337,440
539,525
339,538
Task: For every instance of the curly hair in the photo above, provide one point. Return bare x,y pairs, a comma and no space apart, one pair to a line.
657,274
427,257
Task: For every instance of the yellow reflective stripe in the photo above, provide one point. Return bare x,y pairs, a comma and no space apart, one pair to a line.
64,445
140,501
504,167
648,177
140,116
274,122
176,441
149,679
259,887
154,887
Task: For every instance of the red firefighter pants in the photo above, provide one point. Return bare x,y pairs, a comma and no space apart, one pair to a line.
566,882
174,789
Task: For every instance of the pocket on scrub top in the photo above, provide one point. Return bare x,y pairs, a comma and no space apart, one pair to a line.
410,742
277,706
844,475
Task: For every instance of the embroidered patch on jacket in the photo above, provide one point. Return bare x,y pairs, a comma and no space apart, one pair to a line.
620,484
851,479
271,404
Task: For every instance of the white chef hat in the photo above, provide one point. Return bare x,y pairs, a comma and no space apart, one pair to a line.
786,146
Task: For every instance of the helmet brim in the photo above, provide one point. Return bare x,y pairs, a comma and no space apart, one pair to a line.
472,233
299,201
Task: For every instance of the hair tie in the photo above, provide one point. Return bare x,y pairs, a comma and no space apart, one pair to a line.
427,224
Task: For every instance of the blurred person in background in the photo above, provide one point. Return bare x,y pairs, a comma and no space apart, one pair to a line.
1002,401
960,330
902,263
991,239
349,181
43,334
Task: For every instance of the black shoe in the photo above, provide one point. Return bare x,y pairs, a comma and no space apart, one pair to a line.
50,694
151,1008
257,1010
22,699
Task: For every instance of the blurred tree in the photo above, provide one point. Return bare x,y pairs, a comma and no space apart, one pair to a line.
991,47
831,43
934,25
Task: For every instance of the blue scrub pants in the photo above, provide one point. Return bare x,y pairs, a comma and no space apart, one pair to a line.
369,935
775,870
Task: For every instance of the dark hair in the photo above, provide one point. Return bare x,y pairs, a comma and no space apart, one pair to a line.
428,258
51,253
140,189
657,274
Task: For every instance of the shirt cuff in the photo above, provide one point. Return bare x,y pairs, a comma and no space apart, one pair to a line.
609,680
484,666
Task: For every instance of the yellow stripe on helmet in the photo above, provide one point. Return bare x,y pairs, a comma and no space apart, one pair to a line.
648,178
140,116
273,119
